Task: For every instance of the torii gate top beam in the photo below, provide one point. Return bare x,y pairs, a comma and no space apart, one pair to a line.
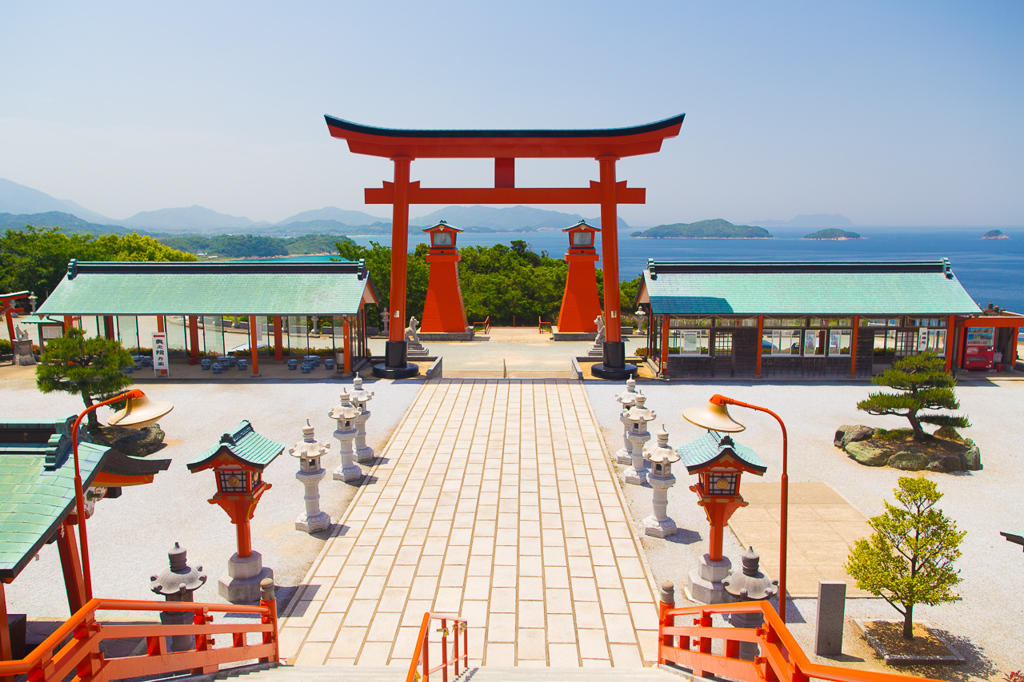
504,144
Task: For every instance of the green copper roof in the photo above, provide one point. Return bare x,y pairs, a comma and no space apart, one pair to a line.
242,444
37,485
701,452
327,288
871,289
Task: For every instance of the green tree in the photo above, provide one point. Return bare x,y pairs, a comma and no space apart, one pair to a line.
36,258
925,385
87,367
908,560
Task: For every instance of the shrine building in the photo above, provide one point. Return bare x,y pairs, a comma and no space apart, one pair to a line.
817,319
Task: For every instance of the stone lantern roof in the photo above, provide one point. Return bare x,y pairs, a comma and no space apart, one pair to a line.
662,454
360,394
346,410
639,413
308,447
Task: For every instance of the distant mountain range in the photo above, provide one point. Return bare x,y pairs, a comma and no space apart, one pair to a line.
21,205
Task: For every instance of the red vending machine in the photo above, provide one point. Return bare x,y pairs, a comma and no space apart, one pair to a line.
980,348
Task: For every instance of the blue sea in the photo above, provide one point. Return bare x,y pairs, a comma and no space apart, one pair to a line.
990,270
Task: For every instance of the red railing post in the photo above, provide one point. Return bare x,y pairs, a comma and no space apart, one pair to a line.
269,600
444,649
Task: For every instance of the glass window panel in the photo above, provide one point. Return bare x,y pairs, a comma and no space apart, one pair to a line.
128,332
735,321
831,322
839,342
176,332
723,343
780,342
685,322
783,322
814,342
582,238
688,342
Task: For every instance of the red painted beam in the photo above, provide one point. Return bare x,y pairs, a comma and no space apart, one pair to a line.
504,144
505,195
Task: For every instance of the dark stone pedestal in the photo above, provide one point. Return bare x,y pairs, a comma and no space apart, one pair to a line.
614,366
395,366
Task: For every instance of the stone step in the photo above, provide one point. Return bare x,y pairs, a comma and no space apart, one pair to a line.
284,673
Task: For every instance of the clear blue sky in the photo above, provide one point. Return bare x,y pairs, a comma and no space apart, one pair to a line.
890,113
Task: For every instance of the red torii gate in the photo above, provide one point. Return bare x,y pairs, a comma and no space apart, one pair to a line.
605,145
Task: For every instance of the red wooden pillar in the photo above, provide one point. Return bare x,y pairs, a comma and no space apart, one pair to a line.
347,334
253,348
610,250
760,337
161,327
664,345
69,322
278,351
853,346
6,650
1012,361
399,252
108,326
950,328
71,564
193,339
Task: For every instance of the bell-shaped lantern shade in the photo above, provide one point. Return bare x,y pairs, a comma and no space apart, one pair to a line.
714,417
139,412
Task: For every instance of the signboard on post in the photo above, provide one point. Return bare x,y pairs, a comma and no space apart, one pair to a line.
161,363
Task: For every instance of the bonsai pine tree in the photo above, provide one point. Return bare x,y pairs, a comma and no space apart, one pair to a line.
924,384
88,367
908,560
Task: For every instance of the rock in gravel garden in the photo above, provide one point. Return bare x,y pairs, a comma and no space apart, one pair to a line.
847,434
947,464
972,457
867,454
909,461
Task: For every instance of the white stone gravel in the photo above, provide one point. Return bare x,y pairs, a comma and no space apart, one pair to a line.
987,619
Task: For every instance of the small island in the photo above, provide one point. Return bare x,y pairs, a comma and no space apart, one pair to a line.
704,229
833,234
994,234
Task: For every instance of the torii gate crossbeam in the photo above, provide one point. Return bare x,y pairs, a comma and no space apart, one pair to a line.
604,145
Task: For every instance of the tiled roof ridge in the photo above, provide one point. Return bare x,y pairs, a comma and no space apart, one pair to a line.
675,267
76,267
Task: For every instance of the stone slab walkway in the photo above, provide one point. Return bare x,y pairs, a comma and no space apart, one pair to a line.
495,500
823,527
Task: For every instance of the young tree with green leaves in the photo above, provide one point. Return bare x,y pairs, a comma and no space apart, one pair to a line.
925,385
89,367
908,560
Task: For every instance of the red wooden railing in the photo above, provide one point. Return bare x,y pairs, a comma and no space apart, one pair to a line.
422,651
781,659
74,648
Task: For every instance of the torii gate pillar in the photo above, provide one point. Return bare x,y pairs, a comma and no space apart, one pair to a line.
504,146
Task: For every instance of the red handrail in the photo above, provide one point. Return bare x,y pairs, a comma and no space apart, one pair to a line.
422,650
781,659
74,647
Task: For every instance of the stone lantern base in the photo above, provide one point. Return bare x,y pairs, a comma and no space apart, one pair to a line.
241,584
313,524
706,580
659,529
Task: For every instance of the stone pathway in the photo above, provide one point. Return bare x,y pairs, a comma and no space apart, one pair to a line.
495,501
823,527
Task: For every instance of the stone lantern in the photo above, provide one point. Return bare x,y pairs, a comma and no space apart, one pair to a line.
638,436
627,399
177,583
661,479
308,451
719,464
238,462
346,414
359,398
749,585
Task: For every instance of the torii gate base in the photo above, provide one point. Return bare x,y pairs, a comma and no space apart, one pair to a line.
504,146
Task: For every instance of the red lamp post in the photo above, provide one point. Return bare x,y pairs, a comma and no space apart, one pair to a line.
580,304
715,416
139,412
